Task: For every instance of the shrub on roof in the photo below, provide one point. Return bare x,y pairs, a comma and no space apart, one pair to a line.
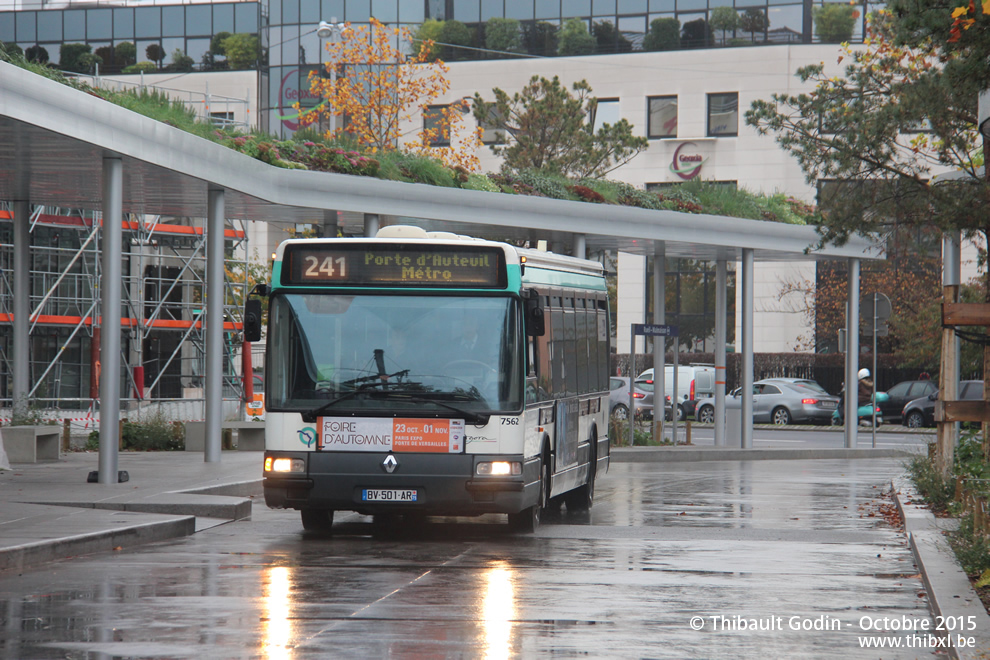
480,182
547,185
310,150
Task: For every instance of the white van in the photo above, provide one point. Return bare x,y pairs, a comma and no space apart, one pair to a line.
694,381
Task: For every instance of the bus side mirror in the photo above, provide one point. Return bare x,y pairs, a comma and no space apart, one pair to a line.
252,320
535,326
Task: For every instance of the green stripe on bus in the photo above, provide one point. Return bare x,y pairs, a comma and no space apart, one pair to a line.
561,278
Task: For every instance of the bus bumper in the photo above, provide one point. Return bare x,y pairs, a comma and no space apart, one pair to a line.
445,484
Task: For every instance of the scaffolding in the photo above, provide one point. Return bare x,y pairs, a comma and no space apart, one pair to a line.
163,335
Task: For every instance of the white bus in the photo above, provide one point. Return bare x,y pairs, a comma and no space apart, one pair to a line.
433,375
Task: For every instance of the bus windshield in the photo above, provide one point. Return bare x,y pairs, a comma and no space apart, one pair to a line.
394,354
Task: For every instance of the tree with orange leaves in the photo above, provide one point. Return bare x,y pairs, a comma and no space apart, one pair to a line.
378,91
964,18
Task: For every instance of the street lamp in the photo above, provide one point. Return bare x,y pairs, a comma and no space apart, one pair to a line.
331,30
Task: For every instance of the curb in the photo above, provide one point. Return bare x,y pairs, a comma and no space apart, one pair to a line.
175,504
949,591
169,515
678,454
863,430
33,554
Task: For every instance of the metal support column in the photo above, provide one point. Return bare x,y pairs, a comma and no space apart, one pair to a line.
21,359
580,246
330,224
852,356
371,223
659,343
721,286
746,422
214,326
111,282
947,433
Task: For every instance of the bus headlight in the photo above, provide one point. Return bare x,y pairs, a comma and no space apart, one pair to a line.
284,464
499,468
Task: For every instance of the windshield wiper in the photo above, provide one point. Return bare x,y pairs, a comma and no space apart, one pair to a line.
473,417
310,416
413,396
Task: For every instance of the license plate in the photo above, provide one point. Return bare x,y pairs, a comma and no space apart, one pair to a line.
391,495
829,404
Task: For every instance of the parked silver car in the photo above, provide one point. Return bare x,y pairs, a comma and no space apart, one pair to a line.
779,401
618,399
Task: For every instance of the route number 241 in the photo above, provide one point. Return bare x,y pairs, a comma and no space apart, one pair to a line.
328,267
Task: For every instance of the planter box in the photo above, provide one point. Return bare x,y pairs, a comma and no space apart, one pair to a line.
30,444
250,435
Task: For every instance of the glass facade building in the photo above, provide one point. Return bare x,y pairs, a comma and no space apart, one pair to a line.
294,49
291,47
187,28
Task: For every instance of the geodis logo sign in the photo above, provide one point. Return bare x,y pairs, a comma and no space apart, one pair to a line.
292,89
687,162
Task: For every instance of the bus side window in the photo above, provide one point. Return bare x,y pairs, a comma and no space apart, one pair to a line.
544,371
604,350
583,358
557,357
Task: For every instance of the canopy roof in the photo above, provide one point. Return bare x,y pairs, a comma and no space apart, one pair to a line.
53,139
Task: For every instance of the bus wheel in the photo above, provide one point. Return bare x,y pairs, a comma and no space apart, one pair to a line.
582,498
527,521
317,520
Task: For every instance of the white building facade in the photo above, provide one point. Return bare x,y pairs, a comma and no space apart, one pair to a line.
730,152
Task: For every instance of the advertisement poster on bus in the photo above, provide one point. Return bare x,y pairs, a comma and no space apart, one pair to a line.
387,434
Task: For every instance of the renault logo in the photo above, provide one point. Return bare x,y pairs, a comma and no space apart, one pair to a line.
389,464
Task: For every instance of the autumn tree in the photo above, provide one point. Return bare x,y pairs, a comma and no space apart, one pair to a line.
912,284
897,129
894,119
379,90
545,127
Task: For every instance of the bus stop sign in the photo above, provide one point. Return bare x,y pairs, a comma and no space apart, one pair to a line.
654,330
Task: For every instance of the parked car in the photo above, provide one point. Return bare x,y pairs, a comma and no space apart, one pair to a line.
921,412
807,382
779,401
618,399
902,394
694,382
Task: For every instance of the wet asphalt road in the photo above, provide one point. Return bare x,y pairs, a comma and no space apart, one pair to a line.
768,544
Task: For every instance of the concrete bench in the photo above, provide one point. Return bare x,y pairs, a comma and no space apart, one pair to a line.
30,444
250,435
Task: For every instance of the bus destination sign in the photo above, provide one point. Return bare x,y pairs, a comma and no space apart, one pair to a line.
384,265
